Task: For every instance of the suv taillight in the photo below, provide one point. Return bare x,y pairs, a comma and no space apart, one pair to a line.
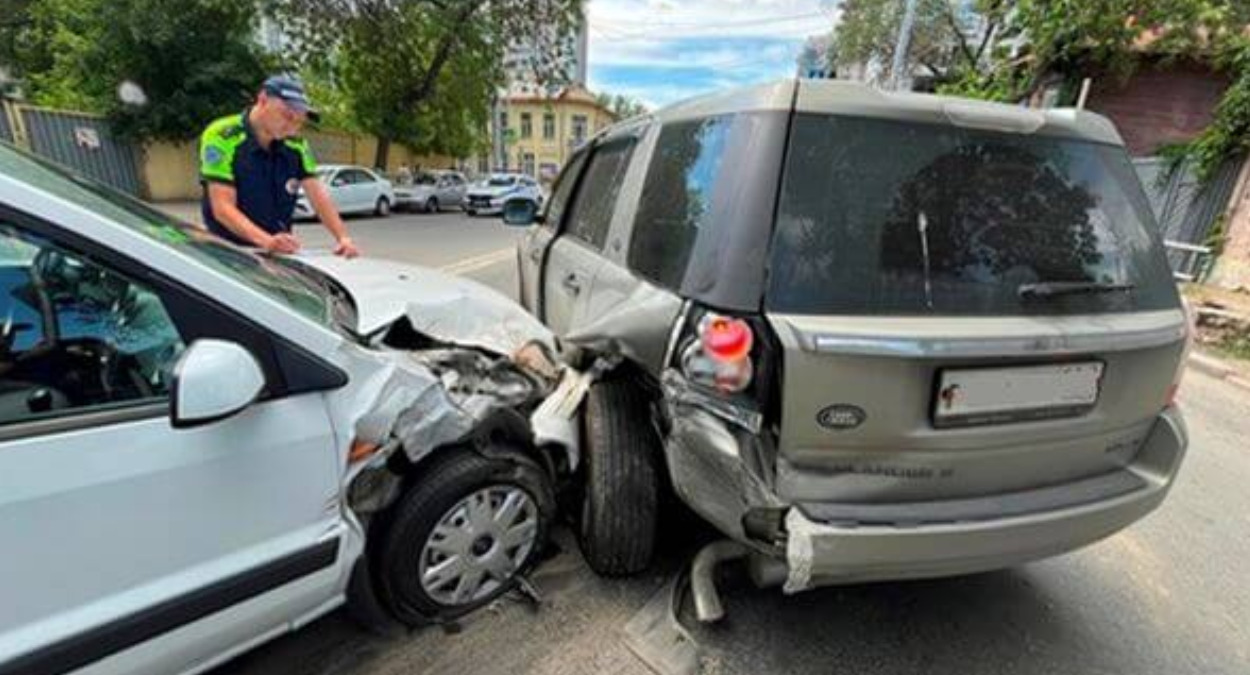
720,355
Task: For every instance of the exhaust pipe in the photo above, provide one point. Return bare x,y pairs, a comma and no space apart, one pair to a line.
707,604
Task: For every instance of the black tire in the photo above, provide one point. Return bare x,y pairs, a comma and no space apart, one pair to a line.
383,208
618,520
470,212
431,205
442,484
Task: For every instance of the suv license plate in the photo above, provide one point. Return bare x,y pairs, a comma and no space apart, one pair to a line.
999,395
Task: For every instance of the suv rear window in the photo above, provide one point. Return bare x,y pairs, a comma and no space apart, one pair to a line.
884,217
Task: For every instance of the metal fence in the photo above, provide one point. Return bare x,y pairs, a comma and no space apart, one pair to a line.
1187,210
83,143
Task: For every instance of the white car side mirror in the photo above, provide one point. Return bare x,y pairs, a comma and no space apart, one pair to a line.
213,380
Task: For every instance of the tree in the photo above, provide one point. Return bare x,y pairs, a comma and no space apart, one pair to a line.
423,72
1044,38
948,37
1072,39
77,54
621,106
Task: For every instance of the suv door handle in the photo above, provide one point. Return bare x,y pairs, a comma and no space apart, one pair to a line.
536,254
572,284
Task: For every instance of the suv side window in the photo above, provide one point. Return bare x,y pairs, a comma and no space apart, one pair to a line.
76,336
563,190
591,213
676,197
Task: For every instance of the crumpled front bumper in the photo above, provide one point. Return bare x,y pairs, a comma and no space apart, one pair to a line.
719,468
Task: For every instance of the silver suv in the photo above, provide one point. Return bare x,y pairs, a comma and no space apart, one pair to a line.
865,335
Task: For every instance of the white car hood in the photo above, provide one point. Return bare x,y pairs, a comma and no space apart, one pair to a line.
444,307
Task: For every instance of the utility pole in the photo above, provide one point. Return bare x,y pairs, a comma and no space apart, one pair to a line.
897,76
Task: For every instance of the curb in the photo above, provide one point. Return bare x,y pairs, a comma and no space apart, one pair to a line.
1219,370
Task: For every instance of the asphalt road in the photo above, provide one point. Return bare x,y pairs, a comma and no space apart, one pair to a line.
1170,595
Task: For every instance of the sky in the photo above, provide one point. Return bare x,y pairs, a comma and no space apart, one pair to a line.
661,51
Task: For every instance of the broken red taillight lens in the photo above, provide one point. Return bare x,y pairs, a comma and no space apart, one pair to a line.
720,357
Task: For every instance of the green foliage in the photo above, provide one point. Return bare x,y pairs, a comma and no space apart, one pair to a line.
623,107
1229,132
193,59
422,72
1094,38
1071,39
949,37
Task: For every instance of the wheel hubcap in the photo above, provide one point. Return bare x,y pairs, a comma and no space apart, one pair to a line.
478,545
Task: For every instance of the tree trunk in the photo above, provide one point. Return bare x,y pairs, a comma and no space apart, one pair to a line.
380,157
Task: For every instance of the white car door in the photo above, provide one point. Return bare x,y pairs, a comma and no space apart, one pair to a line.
340,188
369,190
129,545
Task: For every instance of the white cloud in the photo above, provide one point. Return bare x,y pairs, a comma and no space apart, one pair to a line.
673,49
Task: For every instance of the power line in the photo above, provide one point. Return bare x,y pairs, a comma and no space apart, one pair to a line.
726,24
615,30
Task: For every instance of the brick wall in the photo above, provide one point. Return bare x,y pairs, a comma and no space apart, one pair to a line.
1159,105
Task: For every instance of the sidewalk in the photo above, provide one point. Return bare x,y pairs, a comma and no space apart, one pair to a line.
1233,373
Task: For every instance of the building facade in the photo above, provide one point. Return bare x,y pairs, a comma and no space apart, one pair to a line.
540,131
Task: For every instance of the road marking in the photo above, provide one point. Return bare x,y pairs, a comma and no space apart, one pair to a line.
478,262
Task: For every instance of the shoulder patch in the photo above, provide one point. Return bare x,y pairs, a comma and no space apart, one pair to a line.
214,156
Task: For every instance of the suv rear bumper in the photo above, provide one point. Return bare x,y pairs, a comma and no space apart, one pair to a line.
838,543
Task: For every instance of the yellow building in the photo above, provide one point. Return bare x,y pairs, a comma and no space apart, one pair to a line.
540,131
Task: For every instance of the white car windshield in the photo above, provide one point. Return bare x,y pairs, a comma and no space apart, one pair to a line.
502,181
426,179
291,284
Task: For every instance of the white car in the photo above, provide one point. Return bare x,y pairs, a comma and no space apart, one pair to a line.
489,195
432,191
354,189
202,448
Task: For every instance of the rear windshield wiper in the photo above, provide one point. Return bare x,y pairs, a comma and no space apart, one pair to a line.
1050,289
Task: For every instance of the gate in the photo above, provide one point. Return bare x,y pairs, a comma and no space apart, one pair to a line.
83,143
1185,208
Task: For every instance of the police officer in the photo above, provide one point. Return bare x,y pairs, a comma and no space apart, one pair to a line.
253,165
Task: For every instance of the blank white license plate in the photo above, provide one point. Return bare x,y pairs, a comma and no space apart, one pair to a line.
1000,395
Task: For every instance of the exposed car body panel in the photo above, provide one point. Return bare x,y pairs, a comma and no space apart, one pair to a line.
444,306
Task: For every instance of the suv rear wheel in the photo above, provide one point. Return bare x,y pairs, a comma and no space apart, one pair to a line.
618,519
463,535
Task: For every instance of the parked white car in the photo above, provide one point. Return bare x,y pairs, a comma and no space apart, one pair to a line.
354,190
196,440
432,191
489,195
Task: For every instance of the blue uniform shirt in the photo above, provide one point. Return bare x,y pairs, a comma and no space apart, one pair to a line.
267,181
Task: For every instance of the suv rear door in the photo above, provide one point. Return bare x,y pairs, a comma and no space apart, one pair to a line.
577,254
963,312
532,251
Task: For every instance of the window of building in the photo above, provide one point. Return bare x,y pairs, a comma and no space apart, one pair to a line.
549,126
580,127
527,163
503,121
527,125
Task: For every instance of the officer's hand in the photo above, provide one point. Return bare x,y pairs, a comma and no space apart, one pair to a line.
346,248
281,243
